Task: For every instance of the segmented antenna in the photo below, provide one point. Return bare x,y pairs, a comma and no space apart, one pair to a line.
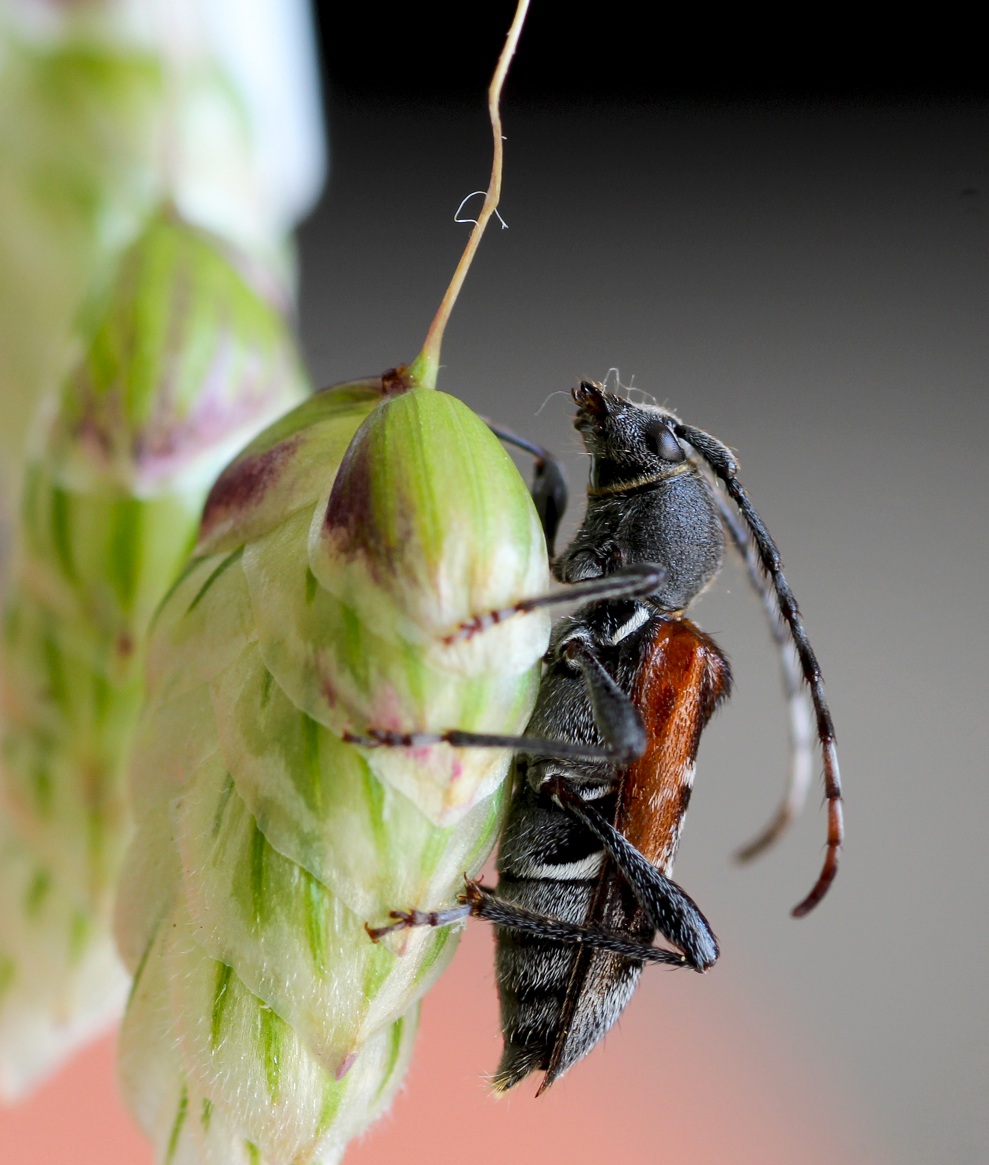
719,458
799,708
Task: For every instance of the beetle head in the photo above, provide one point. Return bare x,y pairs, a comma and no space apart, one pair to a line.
630,444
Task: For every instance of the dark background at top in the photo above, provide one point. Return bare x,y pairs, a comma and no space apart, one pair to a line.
442,52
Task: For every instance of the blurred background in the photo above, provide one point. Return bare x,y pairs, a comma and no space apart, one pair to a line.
794,257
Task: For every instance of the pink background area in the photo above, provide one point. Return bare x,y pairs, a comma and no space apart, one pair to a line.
693,1073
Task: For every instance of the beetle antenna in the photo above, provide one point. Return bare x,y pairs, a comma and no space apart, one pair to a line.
801,720
723,465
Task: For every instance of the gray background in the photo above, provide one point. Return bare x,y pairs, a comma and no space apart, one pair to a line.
804,275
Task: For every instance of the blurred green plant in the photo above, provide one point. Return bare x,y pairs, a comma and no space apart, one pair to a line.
74,185
183,359
108,109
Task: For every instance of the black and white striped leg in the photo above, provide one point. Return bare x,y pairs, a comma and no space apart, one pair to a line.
671,910
800,715
719,458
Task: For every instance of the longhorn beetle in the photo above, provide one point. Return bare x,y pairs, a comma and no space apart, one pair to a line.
603,773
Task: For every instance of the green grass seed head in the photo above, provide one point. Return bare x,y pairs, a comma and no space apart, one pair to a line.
282,840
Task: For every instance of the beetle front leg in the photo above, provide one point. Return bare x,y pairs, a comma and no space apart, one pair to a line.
549,487
630,582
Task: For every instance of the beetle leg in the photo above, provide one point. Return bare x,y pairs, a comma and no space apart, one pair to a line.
616,718
407,919
485,903
563,749
549,487
630,582
481,902
671,910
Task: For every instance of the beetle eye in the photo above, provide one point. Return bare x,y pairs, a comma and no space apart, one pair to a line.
662,441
